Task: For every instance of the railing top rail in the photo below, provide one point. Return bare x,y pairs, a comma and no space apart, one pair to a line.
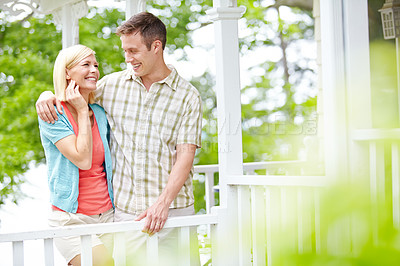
376,134
92,229
278,180
206,168
265,165
250,166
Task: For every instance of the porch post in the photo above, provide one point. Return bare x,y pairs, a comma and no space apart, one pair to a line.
225,15
357,81
347,100
335,112
346,84
68,16
356,32
133,7
334,89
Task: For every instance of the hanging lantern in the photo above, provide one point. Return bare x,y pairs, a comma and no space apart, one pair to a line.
390,14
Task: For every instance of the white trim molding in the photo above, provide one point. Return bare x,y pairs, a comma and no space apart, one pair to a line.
17,7
68,16
226,13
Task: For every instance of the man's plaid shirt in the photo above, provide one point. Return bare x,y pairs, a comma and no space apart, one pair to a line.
145,129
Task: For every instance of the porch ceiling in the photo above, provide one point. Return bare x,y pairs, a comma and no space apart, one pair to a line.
17,7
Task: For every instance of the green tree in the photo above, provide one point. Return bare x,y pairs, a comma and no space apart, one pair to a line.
27,49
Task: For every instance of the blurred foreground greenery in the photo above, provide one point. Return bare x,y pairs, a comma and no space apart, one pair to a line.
355,229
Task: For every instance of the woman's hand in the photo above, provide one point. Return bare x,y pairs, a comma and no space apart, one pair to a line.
74,97
78,148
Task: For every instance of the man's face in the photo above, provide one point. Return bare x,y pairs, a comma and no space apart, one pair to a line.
137,54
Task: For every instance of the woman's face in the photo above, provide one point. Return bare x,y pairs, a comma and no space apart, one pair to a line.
85,73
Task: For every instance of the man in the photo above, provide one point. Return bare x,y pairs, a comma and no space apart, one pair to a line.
155,118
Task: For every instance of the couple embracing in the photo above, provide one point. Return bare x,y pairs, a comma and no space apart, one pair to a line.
121,148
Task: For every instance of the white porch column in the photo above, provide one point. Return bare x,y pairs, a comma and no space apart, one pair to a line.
68,16
347,100
133,7
334,89
346,85
225,15
335,111
357,81
228,92
356,32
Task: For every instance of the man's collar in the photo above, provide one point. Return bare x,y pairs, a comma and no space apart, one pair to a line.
170,80
129,74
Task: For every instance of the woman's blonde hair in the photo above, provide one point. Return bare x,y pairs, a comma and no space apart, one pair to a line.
66,59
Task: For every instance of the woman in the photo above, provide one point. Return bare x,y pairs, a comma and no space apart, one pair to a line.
78,155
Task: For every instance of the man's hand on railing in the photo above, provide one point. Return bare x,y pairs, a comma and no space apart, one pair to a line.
156,216
45,107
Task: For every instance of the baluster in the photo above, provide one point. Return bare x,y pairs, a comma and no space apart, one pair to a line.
48,252
209,187
18,253
251,172
396,184
120,249
152,250
377,183
288,216
289,170
184,246
300,221
86,250
317,209
269,225
304,221
272,170
215,254
244,223
258,224
272,220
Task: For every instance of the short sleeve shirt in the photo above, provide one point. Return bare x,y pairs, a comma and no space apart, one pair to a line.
63,175
146,126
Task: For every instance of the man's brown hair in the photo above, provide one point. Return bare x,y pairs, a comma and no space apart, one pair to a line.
149,26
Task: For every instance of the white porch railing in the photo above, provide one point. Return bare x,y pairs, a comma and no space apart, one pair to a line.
297,168
267,203
384,150
272,208
86,231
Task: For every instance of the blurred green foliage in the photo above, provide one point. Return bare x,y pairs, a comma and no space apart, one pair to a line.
27,50
355,229
384,88
279,91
